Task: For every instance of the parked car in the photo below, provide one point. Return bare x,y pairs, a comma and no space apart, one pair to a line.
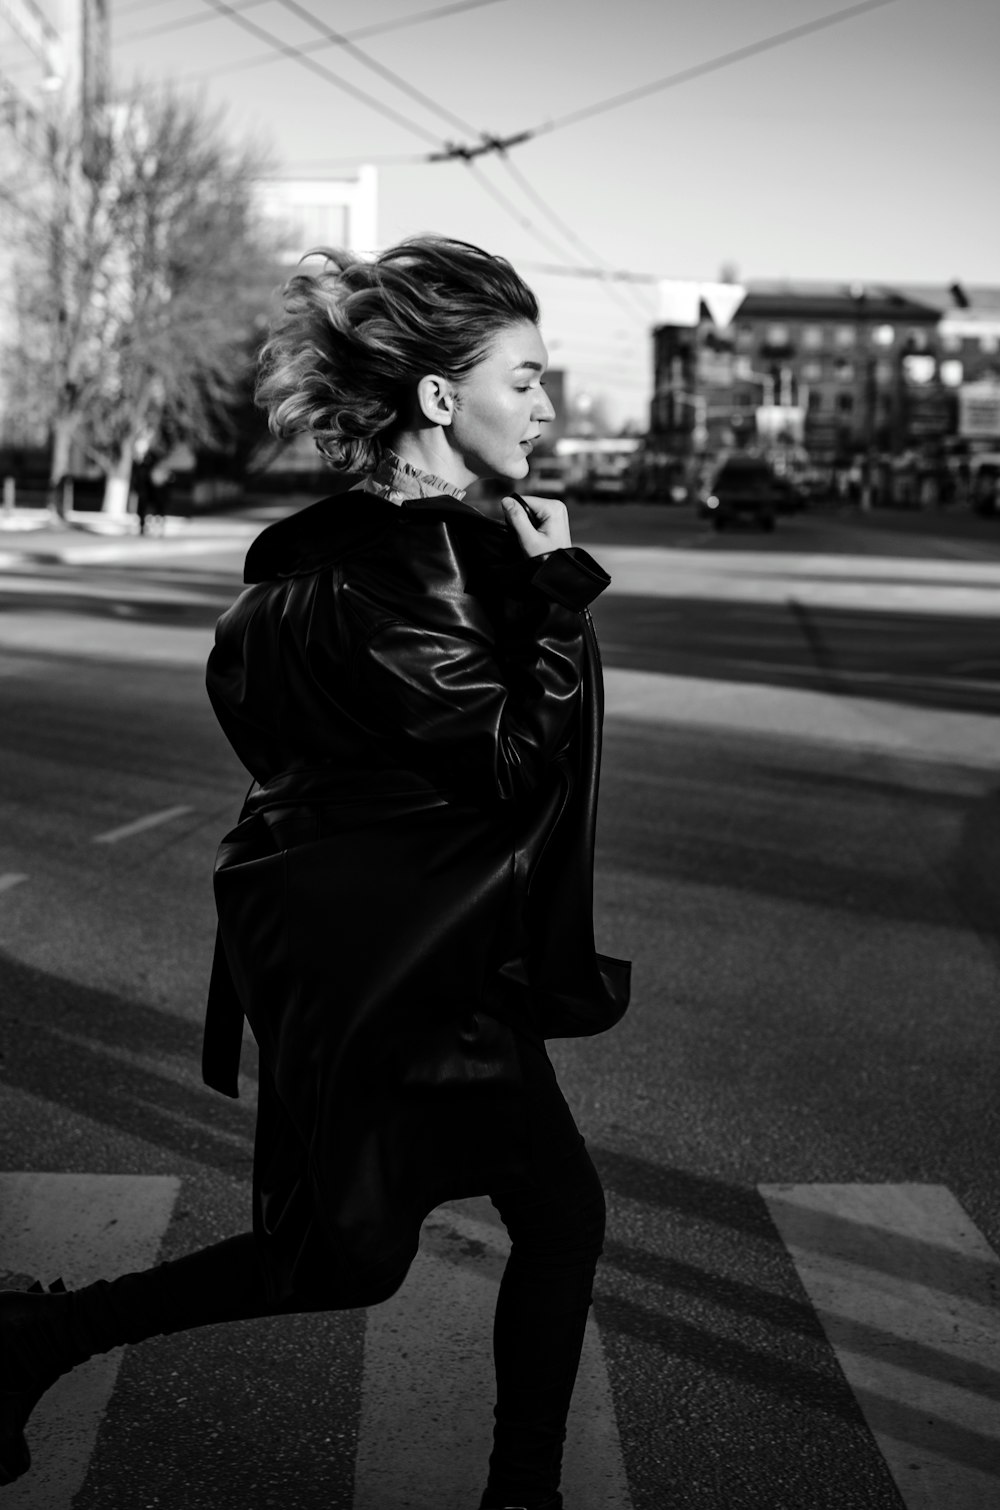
984,483
743,489
788,496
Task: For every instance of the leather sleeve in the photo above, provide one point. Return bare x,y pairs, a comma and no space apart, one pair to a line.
569,576
487,715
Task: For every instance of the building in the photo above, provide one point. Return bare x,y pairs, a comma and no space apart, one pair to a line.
311,213
324,212
823,370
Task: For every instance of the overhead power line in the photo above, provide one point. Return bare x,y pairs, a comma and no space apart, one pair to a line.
566,231
320,69
696,71
303,167
134,5
488,142
459,151
501,199
617,274
179,23
497,194
338,39
374,29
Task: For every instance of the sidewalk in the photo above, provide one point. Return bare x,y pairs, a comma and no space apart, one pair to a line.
32,537
843,721
878,584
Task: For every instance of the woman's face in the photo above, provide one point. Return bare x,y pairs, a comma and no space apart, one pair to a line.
501,405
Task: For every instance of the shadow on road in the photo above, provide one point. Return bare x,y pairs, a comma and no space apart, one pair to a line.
122,1064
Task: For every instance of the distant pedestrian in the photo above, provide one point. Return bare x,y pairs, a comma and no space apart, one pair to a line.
151,481
141,488
405,905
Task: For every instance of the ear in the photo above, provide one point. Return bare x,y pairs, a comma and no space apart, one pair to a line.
436,399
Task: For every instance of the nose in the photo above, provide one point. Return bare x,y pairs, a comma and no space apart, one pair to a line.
543,410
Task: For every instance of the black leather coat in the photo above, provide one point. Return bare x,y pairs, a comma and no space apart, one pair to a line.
410,884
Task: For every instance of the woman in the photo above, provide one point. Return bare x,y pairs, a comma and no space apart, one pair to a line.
405,904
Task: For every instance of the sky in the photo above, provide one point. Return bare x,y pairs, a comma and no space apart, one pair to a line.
865,151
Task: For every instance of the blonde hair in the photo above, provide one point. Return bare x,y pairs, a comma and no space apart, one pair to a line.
355,337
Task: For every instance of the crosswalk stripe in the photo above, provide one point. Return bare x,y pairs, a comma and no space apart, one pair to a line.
904,1285
427,1389
907,1291
139,825
82,1227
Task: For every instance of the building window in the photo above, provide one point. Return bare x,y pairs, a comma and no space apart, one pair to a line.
952,373
843,370
845,402
743,369
777,335
845,335
918,368
883,335
884,372
951,342
916,340
812,372
815,401
813,337
989,343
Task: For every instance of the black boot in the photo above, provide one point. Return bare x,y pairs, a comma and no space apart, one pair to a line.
37,1344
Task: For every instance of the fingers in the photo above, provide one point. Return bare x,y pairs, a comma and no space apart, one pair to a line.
517,518
544,511
541,524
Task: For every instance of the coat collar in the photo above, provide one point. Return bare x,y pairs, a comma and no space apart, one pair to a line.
306,539
400,481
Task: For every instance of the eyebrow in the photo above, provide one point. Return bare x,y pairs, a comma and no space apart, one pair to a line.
536,366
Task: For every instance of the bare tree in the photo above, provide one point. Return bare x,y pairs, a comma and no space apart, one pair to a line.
140,271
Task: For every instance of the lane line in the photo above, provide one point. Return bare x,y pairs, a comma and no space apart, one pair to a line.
140,825
427,1388
908,1292
10,879
83,1227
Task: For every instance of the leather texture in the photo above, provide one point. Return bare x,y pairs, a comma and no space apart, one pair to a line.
410,882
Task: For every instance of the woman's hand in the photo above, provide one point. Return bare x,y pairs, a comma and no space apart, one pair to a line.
540,524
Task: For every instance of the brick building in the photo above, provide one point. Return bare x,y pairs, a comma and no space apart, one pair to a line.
829,370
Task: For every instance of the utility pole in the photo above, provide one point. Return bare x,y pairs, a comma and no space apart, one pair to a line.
85,34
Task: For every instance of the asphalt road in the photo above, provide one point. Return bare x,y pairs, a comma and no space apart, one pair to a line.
814,930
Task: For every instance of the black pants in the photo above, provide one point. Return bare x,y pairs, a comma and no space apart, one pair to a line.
555,1219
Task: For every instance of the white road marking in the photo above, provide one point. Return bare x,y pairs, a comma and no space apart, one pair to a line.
907,1290
82,1227
10,879
139,825
427,1389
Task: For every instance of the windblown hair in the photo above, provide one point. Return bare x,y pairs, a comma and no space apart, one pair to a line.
354,339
